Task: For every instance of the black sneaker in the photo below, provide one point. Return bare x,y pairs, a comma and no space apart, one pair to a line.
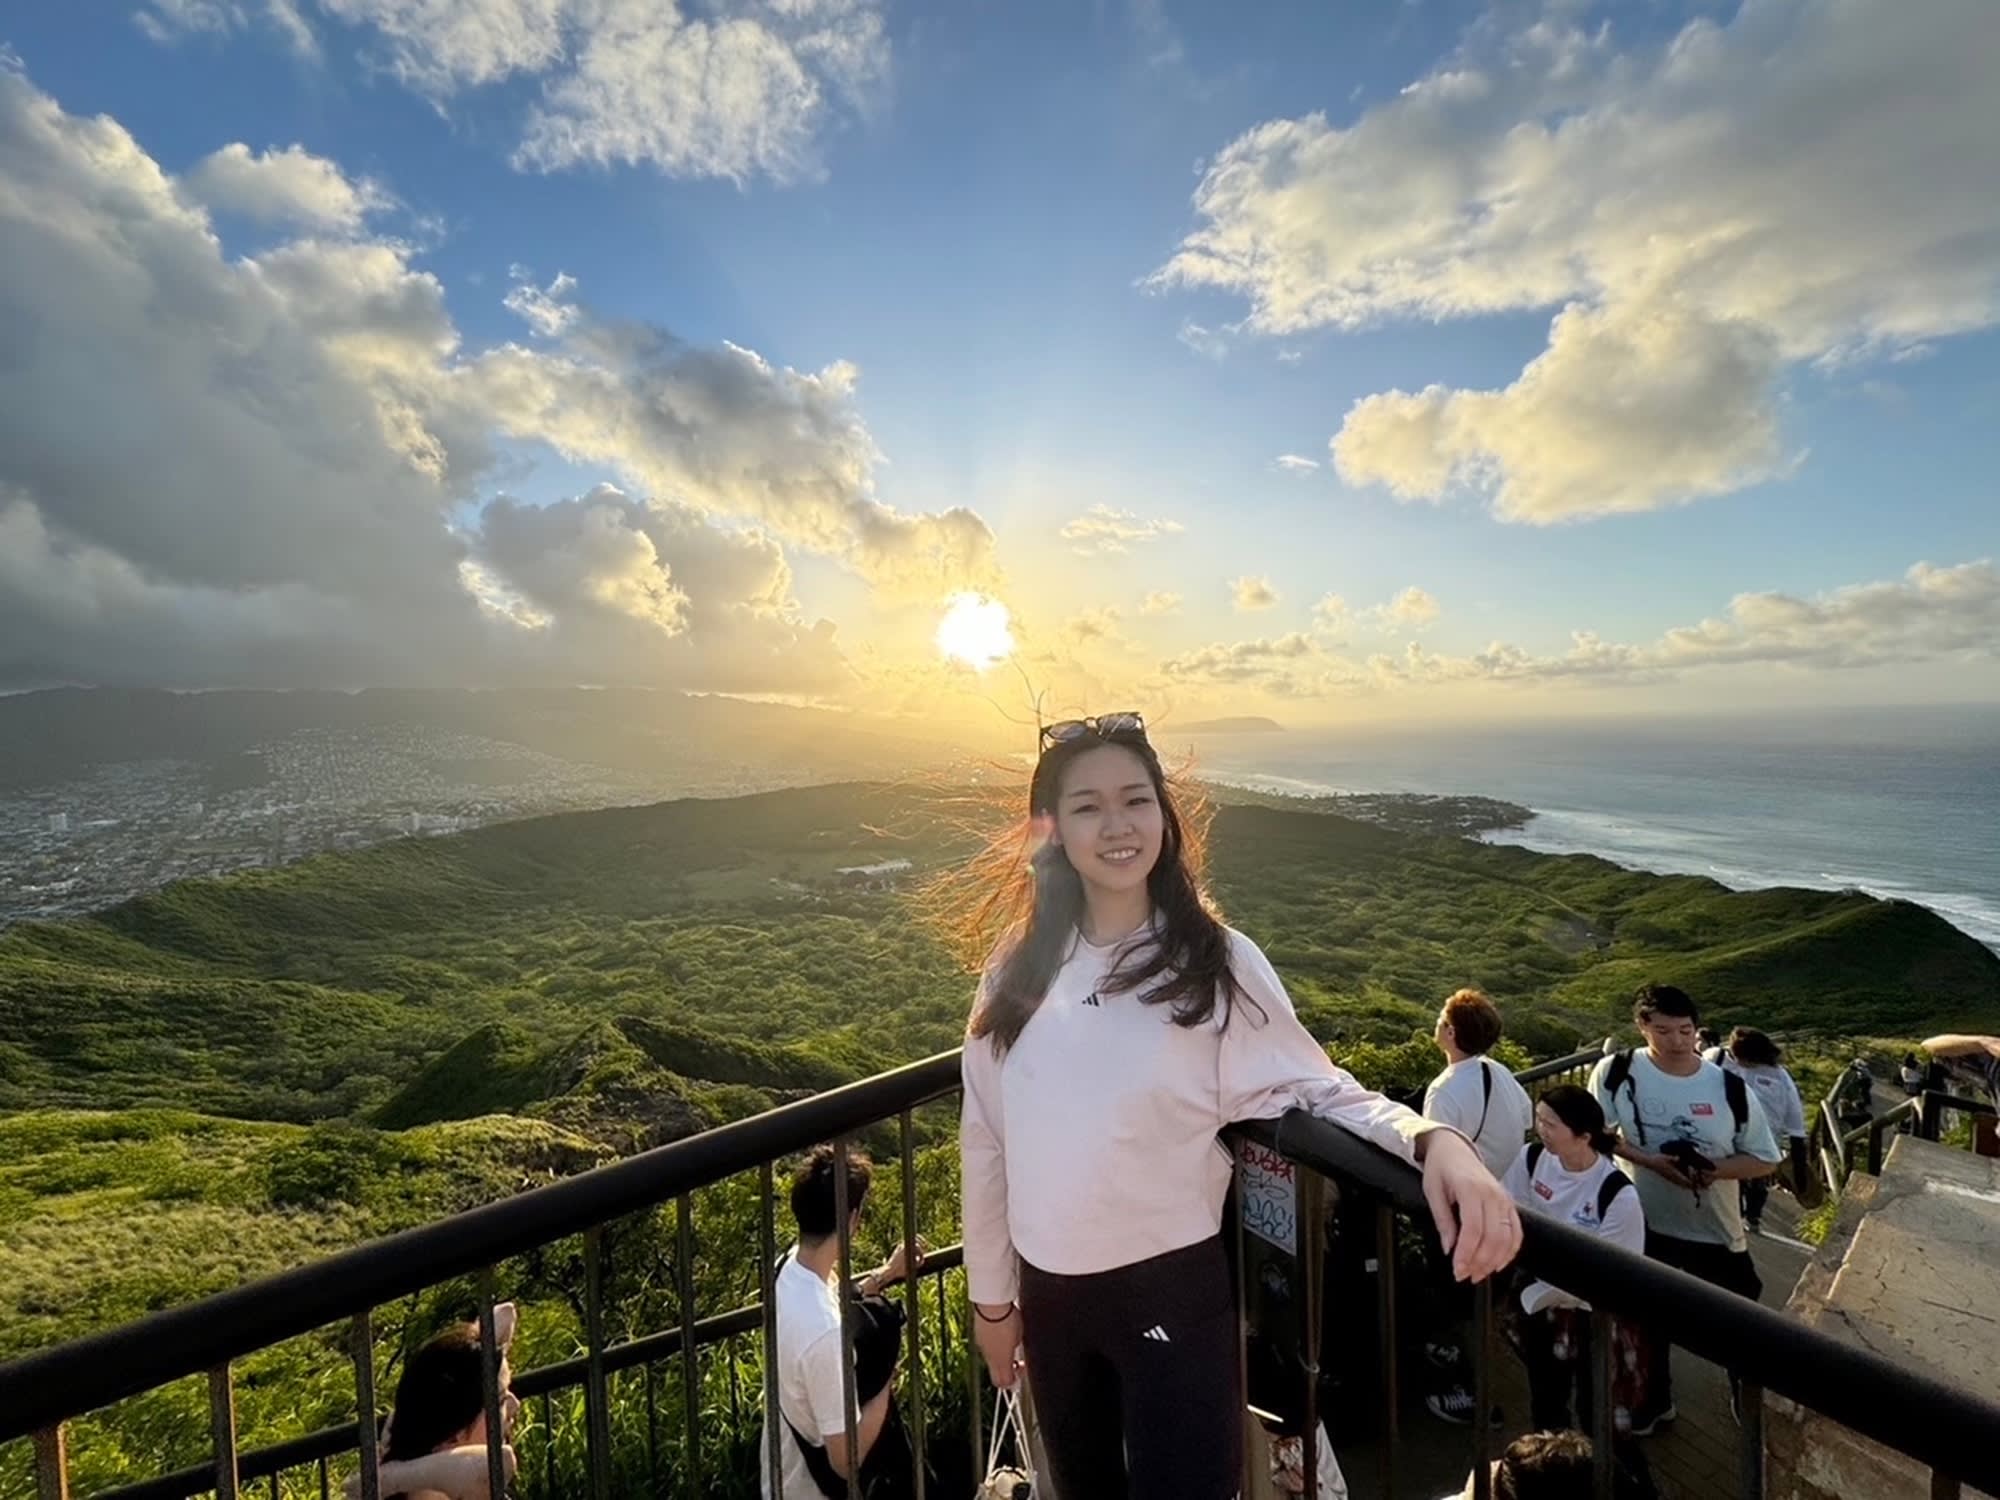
1444,1356
1753,1226
1652,1419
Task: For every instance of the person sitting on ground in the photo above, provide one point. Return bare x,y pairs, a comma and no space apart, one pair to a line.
1568,1175
810,1379
1481,1101
1687,1125
1552,1466
434,1447
1759,1062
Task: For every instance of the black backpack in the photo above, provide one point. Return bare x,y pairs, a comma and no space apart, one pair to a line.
1619,1075
1614,1183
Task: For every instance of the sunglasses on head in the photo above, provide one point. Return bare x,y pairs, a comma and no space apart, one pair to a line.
1104,726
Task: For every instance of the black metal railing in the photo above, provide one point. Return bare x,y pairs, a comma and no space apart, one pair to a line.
1955,1433
41,1392
1843,1143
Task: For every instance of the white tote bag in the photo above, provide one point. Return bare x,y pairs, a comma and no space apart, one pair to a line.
1005,1481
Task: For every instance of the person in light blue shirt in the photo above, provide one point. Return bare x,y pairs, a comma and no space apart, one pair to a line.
1693,1131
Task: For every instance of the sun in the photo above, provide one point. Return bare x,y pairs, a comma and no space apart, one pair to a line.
975,630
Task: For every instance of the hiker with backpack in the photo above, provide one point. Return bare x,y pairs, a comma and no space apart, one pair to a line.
814,1457
1759,1062
1687,1125
1567,1173
1483,1102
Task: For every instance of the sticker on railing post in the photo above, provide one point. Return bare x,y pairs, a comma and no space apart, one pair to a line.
1268,1192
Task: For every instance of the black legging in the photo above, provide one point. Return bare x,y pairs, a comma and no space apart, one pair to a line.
1135,1377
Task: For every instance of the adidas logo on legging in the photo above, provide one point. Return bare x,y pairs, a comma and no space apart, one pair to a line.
1158,1333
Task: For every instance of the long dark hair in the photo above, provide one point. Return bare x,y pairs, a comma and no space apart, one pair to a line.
440,1395
1037,904
1578,1108
1754,1049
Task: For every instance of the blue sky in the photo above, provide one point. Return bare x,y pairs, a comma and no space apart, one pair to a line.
971,212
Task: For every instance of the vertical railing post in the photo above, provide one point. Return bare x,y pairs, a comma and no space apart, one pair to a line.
1482,1387
848,1413
549,1443
489,1385
596,1404
222,1425
1243,1321
913,1306
767,1290
690,1355
1750,1449
1875,1151
1385,1270
1312,1267
1944,1486
1603,1417
652,1431
974,1393
51,1464
367,1434
325,1482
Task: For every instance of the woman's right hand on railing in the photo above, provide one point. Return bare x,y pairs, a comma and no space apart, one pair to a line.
997,1331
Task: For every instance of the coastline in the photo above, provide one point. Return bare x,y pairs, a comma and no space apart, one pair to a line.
1629,842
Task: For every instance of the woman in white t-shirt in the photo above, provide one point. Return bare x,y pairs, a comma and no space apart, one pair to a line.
1119,1026
1568,1174
1757,1060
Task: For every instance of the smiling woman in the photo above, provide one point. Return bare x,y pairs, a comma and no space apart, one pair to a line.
975,630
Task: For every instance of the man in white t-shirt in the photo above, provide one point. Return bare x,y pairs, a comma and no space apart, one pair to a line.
807,1297
1475,1095
1479,1099
1694,1131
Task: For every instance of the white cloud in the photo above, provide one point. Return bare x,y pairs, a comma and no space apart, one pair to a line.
1253,593
736,89
546,310
1710,211
302,525
1330,615
167,21
1093,625
291,186
1102,531
1932,614
1412,607
1293,463
741,94
1630,408
1209,343
1160,603
1286,666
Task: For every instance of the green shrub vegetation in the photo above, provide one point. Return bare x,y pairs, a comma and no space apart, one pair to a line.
226,1078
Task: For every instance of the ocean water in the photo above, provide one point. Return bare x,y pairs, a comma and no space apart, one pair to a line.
1903,804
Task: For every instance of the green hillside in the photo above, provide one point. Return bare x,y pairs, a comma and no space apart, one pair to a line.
228,1077
437,978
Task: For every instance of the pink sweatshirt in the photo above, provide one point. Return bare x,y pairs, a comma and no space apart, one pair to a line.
1092,1144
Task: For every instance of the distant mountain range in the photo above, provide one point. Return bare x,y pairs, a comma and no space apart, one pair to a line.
46,736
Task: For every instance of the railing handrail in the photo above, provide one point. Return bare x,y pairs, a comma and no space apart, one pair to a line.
84,1374
1952,1430
1550,1069
52,1385
332,1442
